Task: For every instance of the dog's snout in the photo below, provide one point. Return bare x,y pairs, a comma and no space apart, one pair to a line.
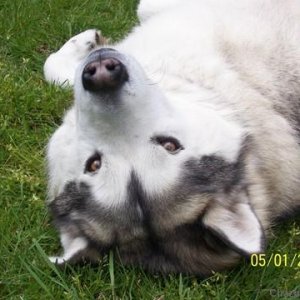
104,74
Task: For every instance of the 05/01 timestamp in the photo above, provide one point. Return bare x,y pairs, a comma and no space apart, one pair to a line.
275,259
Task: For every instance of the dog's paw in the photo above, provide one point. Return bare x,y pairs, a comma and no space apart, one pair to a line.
58,260
83,43
60,66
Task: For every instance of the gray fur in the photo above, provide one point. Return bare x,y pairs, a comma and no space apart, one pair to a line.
222,203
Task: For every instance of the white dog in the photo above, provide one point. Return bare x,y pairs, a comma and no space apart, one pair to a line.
182,147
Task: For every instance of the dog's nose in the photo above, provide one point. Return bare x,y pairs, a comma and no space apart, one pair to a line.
104,74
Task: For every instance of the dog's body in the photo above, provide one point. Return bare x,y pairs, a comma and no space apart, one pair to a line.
187,167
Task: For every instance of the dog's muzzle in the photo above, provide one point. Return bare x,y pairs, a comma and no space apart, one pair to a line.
104,71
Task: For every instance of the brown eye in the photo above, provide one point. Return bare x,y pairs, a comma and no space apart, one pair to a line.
171,144
93,164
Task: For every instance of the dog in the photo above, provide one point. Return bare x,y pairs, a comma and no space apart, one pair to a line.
181,150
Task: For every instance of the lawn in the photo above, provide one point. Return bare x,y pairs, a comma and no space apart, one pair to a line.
30,110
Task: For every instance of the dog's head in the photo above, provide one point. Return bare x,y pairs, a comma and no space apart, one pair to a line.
152,171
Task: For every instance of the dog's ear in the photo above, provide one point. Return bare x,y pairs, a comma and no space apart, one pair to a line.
237,225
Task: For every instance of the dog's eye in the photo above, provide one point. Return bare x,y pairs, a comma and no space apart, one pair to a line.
171,144
170,147
93,164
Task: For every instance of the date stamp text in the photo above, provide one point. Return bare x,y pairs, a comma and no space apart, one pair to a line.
276,260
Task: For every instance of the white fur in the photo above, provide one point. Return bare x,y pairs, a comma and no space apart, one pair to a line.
183,83
240,226
72,246
60,66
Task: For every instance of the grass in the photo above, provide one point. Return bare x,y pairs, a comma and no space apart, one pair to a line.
30,110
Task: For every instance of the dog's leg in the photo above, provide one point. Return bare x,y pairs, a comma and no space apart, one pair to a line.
76,249
60,66
72,247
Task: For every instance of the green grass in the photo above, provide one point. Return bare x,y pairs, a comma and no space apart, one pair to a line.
30,110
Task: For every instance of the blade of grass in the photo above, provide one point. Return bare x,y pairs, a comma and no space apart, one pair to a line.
112,274
36,277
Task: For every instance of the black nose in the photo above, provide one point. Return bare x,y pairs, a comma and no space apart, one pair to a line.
104,74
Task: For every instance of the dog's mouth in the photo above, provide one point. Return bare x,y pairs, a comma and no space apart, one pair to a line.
104,71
